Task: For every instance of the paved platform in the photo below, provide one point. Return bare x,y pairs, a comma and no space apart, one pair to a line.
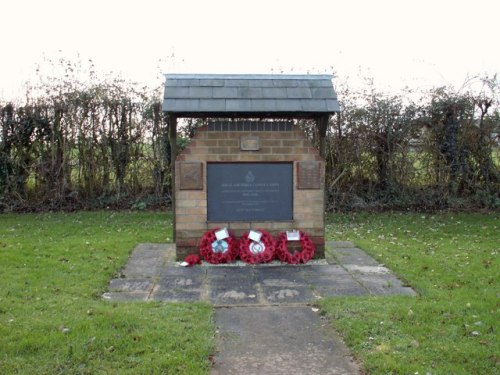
153,274
265,324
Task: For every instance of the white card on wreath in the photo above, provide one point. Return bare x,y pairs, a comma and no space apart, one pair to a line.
222,234
255,235
292,235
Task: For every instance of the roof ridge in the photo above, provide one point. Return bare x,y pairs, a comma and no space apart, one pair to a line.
248,76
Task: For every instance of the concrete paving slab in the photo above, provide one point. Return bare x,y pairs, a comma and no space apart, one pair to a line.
280,279
289,273
354,256
144,262
236,297
339,244
126,296
386,284
288,295
169,271
336,285
243,274
341,290
134,271
333,270
180,282
176,295
360,270
230,274
280,283
330,280
232,287
130,285
231,283
278,340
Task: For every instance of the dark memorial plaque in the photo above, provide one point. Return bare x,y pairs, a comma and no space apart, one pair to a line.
249,191
191,176
309,174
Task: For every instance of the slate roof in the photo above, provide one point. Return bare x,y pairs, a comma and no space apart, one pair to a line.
247,95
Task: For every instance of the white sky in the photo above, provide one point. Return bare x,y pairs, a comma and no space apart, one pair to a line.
417,43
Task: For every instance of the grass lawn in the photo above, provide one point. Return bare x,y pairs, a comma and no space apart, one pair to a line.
451,261
54,268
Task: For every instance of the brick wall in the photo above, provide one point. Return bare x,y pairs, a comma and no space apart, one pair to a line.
210,145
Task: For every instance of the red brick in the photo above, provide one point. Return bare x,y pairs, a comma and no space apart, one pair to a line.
189,242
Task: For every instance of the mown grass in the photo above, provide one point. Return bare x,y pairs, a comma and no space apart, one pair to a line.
451,261
54,268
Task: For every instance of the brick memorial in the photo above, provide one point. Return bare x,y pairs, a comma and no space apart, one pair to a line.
251,166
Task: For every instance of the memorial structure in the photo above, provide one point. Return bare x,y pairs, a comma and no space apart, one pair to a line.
251,166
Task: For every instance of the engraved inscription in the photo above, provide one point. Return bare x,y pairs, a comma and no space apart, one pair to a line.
309,173
249,191
191,176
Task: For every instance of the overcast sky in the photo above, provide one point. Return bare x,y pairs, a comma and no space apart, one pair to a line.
417,43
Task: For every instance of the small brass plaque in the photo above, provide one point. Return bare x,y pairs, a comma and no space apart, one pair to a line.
191,176
249,143
309,175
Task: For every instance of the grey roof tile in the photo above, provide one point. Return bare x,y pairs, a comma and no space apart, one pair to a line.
274,93
225,92
288,105
285,82
313,105
298,92
320,83
265,105
176,92
237,82
303,83
213,105
212,82
168,105
332,106
189,94
323,93
238,105
260,83
183,82
181,105
249,92
200,92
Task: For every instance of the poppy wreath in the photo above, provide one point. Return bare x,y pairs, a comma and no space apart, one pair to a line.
303,256
245,251
213,257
